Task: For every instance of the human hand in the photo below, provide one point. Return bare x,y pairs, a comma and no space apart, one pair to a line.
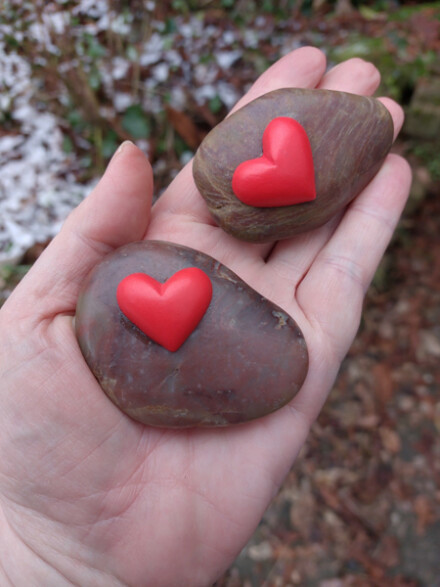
90,497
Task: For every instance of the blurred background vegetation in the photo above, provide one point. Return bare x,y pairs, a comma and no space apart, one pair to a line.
79,77
163,73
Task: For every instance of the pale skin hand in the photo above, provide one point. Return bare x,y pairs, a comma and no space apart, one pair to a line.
90,497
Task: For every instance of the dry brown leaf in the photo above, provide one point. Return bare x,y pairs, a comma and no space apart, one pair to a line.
384,386
185,127
424,511
390,440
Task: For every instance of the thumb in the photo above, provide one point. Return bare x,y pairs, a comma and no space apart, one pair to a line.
115,213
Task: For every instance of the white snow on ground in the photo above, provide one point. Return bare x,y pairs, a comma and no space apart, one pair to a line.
38,179
37,186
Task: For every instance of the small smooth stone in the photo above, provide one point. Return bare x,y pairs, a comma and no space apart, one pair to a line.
350,137
245,359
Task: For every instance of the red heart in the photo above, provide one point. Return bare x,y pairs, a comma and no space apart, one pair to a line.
284,174
166,312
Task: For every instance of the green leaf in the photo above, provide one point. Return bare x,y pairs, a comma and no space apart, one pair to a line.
67,144
132,53
75,119
170,26
94,47
95,79
215,105
135,122
109,144
368,13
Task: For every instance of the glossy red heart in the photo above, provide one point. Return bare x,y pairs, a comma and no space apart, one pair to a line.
284,174
166,312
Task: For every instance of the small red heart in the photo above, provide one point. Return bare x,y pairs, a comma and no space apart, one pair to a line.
284,174
166,312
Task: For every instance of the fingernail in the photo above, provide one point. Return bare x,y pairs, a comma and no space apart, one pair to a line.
122,146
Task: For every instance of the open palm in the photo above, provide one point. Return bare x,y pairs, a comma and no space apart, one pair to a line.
89,496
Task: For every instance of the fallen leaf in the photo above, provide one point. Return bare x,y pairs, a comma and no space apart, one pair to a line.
185,127
390,440
424,512
384,386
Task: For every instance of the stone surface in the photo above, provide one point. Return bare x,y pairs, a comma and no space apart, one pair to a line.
350,136
245,359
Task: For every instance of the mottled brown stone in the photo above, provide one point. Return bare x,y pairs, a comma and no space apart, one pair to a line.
245,359
350,136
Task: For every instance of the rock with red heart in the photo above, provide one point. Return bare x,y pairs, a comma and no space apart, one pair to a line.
290,160
176,339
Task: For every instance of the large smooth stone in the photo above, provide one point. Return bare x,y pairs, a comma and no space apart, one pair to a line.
245,359
349,135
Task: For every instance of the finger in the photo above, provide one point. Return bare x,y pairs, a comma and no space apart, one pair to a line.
115,213
291,259
354,75
301,68
361,77
396,112
331,294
